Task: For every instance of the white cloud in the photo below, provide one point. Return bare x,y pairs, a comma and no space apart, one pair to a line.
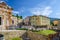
15,12
24,17
46,11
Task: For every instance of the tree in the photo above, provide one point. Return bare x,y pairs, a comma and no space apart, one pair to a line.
13,15
17,15
21,17
52,23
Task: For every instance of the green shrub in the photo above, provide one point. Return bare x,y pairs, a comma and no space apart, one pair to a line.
22,29
34,30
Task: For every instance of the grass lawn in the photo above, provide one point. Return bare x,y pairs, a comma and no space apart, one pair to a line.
46,32
16,38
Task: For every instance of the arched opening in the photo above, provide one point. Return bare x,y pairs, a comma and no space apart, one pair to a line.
1,37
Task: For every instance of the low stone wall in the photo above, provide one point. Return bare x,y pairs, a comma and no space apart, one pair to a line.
54,36
8,34
35,36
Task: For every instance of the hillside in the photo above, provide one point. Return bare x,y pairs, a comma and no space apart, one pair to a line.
52,19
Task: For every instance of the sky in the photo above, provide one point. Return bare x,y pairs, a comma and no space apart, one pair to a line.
49,8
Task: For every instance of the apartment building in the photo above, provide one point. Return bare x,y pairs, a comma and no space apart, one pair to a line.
39,20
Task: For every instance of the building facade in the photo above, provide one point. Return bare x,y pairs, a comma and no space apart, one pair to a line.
55,22
14,20
5,15
27,20
20,20
39,20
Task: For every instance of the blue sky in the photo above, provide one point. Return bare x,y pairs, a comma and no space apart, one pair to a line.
50,8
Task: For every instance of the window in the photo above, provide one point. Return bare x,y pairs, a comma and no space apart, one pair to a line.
0,20
12,21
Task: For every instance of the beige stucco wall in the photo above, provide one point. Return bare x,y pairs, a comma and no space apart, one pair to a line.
20,20
5,20
15,20
5,14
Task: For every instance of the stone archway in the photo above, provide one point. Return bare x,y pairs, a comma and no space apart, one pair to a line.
1,37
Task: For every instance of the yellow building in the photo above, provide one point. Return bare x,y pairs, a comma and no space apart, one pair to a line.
5,15
56,22
39,20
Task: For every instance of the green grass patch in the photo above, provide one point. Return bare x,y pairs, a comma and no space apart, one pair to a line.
16,38
46,32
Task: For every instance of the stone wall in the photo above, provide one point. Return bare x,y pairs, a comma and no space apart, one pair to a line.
35,36
8,34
